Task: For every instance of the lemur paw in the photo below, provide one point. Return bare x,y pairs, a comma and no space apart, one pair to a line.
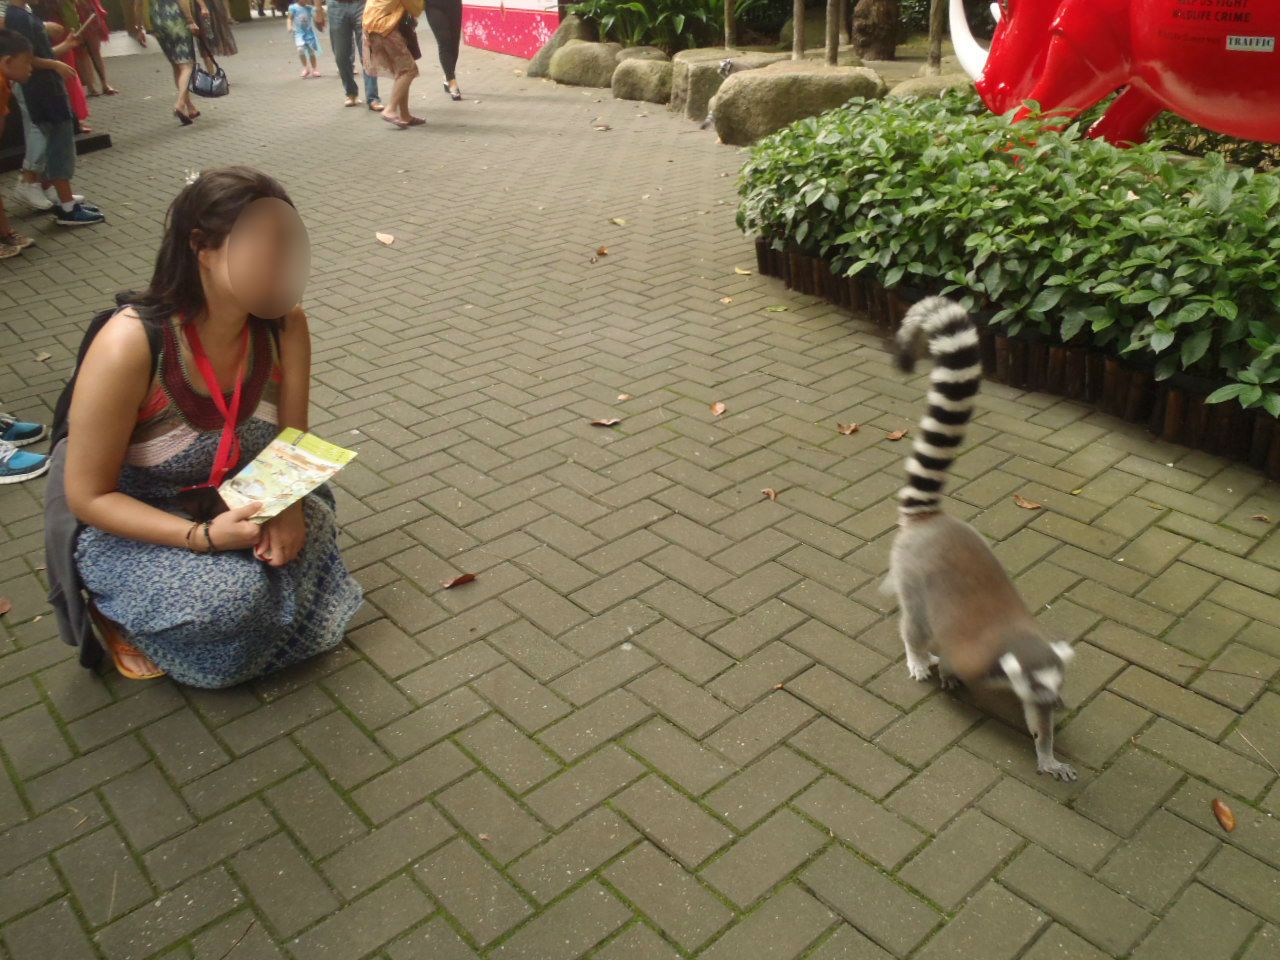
1058,770
918,670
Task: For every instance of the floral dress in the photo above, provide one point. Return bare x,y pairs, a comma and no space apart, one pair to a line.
215,620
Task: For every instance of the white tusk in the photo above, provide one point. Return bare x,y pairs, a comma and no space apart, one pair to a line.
995,12
970,54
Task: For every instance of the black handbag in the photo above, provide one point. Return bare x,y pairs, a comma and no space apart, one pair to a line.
206,84
408,28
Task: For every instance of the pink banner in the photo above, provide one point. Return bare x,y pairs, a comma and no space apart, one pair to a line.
520,33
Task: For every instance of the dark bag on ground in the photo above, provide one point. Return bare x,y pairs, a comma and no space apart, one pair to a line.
408,28
206,84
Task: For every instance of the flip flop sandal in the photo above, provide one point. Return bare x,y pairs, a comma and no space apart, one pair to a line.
119,647
398,124
416,122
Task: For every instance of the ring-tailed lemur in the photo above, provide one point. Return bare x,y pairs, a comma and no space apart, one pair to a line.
958,607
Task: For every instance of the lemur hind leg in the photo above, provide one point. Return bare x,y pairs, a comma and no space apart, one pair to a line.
915,638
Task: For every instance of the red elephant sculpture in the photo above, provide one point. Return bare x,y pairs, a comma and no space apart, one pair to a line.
1213,62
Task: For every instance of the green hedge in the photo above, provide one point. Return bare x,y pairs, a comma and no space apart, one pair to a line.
1160,259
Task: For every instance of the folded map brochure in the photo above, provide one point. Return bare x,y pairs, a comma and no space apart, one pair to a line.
291,466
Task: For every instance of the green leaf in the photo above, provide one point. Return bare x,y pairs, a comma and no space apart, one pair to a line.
1195,346
1229,392
1161,339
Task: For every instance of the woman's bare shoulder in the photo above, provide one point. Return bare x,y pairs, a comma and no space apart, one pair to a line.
123,340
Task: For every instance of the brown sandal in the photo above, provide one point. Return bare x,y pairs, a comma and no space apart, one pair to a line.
119,647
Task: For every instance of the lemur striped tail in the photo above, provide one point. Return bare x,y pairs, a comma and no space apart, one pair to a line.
953,341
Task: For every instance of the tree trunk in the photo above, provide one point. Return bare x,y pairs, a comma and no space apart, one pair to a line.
730,24
834,8
937,27
875,29
797,21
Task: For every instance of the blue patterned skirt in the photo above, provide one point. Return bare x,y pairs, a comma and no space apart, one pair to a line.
216,620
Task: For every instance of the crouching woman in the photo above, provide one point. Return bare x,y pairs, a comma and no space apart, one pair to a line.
181,386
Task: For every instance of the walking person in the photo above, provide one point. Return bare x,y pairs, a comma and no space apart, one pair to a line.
94,32
302,24
445,19
346,38
391,50
171,22
48,124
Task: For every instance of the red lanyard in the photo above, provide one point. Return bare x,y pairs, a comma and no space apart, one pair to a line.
229,446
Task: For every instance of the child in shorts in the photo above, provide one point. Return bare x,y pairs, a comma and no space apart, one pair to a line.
302,24
51,145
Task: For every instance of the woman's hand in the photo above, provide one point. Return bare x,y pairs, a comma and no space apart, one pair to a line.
194,28
283,537
65,71
233,530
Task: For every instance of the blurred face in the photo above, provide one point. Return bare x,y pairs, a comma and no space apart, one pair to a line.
17,68
264,262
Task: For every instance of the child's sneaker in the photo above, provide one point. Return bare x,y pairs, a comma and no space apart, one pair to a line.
81,215
16,466
31,194
18,433
52,194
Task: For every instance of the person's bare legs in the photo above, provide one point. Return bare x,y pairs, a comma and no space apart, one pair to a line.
100,65
397,107
181,77
84,68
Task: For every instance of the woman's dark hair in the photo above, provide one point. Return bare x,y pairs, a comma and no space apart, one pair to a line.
200,218
13,43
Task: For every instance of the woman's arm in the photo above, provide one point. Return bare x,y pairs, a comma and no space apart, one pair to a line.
295,370
110,388
189,16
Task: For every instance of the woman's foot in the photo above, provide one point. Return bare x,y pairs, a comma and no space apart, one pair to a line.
451,88
131,662
183,119
109,91
90,92
395,121
305,73
415,121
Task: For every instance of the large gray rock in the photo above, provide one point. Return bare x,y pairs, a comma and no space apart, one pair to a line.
706,76
583,64
680,64
931,86
648,80
755,103
571,27
641,53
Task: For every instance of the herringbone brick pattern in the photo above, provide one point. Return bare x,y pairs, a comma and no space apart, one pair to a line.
670,718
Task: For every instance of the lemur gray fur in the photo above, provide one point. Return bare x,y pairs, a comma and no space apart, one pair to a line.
959,609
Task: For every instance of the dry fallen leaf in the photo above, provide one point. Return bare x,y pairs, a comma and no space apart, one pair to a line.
618,221
385,238
5,606
624,397
42,356
611,422
1224,815
485,837
1026,504
459,580
848,429
602,251
718,408
771,493
1077,491
777,686
742,272
726,300
776,308
1261,517
896,435
603,126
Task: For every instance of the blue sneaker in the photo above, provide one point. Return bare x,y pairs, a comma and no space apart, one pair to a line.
81,215
20,434
16,466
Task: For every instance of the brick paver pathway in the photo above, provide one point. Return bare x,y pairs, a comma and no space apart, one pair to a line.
670,719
